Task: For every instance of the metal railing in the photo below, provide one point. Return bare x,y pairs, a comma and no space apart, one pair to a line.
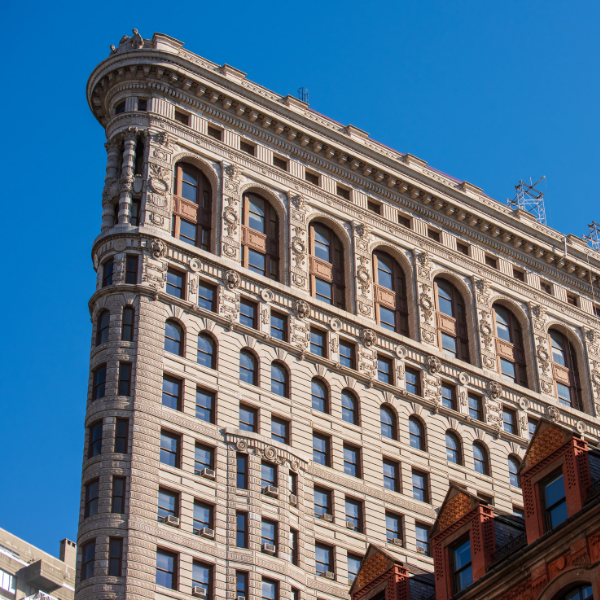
518,542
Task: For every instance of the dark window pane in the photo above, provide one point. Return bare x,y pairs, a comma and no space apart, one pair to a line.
205,406
170,392
206,296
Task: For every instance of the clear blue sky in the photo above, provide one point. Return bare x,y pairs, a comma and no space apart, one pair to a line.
490,92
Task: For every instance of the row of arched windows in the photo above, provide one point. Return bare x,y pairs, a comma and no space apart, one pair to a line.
260,253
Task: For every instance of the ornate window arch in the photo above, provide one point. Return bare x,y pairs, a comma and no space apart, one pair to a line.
565,370
174,337
260,235
453,448
391,307
327,281
207,350
453,337
416,433
192,206
388,422
509,345
350,407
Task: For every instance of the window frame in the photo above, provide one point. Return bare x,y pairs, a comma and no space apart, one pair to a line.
115,543
241,473
387,409
425,476
172,341
213,405
452,398
211,517
330,564
359,525
207,585
382,359
210,465
173,574
97,386
355,411
417,373
177,273
180,384
504,348
458,450
459,330
384,297
327,453
176,454
286,379
124,438
319,268
457,572
256,367
213,289
567,372
116,497
390,462
214,347
357,464
328,508
484,461
251,427
248,303
243,532
88,559
95,443
127,327
326,400
546,510
421,436
352,358
399,532
284,331
102,329
125,378
89,500
286,424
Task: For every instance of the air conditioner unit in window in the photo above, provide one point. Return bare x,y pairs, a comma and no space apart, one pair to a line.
207,532
208,473
241,598
397,541
329,575
198,591
350,525
271,490
327,517
269,548
171,520
421,550
293,499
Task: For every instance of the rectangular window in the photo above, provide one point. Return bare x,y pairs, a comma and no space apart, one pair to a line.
142,104
280,430
572,300
518,512
248,148
422,535
118,495
175,284
293,482
248,418
88,558
343,192
207,295
242,471
203,458
321,454
311,177
205,406
391,475
241,584
268,474
354,513
203,516
280,163
127,328
393,527
518,274
434,235
448,396
121,436
248,312
490,261
318,341
115,557
322,502
419,485
269,589
92,494
279,326
131,268
352,460
404,221
171,392
323,559
134,219
124,379
485,499
241,529
509,419
347,355
7,582
546,287
182,118
215,133
95,439
202,577
168,504
462,248
374,207
554,499
531,426
268,532
99,378
475,407
293,546
353,566
413,381
166,569
169,449
384,370
107,273
462,569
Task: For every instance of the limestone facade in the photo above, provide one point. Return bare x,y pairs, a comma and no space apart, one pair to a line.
163,107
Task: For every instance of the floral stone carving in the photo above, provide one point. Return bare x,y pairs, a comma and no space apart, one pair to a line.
231,279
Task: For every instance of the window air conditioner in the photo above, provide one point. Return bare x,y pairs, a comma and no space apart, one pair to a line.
171,520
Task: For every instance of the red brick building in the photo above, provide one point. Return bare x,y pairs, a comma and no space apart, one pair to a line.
551,553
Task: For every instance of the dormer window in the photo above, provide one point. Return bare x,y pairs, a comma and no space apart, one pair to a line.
554,499
462,568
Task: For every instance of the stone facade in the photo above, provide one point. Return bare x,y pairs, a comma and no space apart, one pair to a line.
162,106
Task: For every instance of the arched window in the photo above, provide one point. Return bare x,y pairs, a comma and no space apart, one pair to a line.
127,326
279,379
191,206
513,470
173,338
564,370
102,326
480,459
260,236
207,351
416,433
349,407
319,395
387,419
326,266
581,592
390,293
248,367
451,320
509,345
453,451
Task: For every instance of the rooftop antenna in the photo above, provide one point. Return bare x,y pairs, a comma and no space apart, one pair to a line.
594,238
530,199
303,94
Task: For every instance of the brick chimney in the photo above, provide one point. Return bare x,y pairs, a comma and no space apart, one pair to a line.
68,552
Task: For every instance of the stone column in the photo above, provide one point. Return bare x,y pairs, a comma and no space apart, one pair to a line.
112,172
364,271
127,176
231,217
299,243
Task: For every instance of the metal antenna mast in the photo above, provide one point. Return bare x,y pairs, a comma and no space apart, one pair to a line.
594,238
530,199
303,94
